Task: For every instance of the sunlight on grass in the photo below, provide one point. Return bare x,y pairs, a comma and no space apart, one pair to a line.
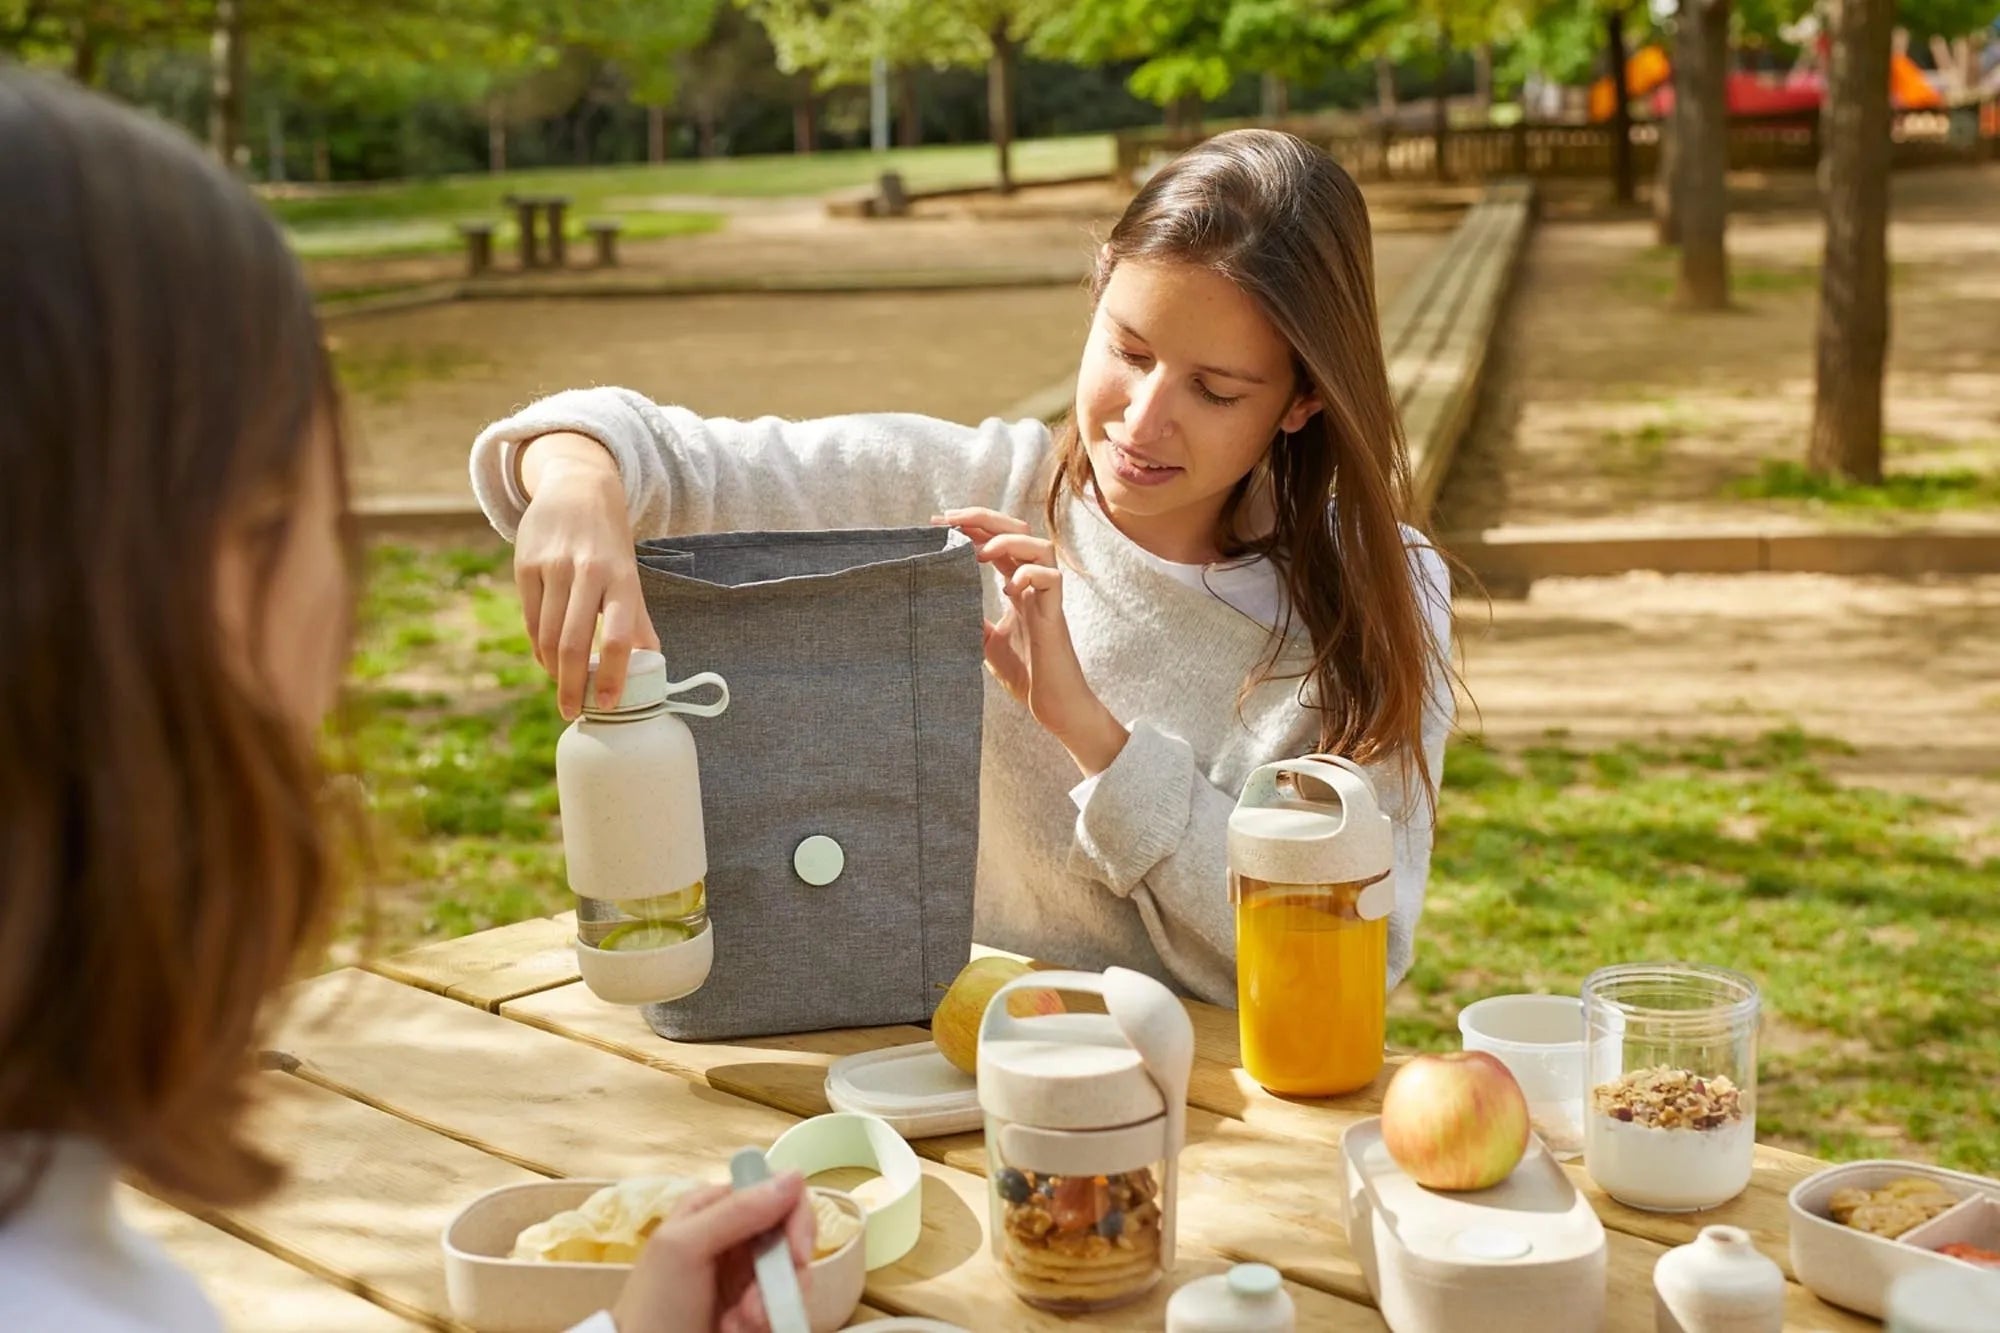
1956,488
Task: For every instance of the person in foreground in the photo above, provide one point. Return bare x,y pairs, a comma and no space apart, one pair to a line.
1204,569
175,600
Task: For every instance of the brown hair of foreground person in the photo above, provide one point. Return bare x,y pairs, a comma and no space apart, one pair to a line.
175,607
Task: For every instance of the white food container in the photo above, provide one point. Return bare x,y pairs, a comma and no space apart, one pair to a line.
496,1294
1525,1256
1854,1269
1540,1040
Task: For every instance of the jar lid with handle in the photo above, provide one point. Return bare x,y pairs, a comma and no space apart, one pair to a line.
1293,837
1090,1094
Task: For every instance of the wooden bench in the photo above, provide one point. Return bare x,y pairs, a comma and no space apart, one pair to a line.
604,235
885,197
1435,333
478,238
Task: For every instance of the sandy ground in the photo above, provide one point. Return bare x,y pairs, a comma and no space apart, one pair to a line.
1906,672
422,382
1604,403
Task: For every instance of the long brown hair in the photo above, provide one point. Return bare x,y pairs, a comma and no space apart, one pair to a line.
162,860
1281,220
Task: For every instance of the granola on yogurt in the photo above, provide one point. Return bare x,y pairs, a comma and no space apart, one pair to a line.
1663,1097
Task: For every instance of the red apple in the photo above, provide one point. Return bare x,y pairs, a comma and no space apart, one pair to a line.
955,1025
1455,1121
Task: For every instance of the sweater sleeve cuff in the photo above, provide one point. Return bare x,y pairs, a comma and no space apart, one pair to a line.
603,415
1136,814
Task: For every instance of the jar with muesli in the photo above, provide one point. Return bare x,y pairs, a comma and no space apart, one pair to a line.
1085,1115
1670,1120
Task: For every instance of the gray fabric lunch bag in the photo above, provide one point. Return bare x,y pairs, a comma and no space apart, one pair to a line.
856,686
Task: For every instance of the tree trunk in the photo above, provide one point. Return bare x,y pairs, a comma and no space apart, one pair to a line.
804,115
322,154
1701,110
1441,108
1000,104
1482,75
1624,187
274,141
909,117
1853,341
496,136
84,52
704,130
579,136
1667,182
225,84
656,134
1277,96
1385,85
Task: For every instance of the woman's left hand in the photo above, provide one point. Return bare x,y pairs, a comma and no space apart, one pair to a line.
1029,649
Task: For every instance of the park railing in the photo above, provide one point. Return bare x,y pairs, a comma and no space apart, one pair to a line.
1966,133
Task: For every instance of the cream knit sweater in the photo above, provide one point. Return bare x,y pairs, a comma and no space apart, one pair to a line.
1137,876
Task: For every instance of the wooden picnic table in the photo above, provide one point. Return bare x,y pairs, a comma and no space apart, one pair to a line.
404,1090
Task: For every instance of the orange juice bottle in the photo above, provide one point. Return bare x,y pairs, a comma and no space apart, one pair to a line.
1309,876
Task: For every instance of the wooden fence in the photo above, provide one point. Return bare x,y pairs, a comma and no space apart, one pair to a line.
1968,133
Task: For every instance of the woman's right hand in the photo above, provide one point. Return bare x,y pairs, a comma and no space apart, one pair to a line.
574,563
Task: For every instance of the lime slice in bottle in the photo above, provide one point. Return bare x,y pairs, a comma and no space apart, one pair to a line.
634,936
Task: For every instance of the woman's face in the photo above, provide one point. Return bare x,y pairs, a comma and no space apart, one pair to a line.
282,592
1184,385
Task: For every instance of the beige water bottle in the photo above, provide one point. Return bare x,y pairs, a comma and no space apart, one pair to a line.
637,855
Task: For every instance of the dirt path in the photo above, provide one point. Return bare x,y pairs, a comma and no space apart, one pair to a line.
1606,404
421,383
1908,673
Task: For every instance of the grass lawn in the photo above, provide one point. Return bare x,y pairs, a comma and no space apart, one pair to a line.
1876,941
1952,488
416,217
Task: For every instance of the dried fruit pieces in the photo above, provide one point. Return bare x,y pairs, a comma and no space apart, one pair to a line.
1666,1098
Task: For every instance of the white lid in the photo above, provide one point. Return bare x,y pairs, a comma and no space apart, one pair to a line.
1087,1071
914,1088
1249,1298
647,686
1944,1300
1286,838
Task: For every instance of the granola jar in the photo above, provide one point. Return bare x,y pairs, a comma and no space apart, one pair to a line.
1085,1115
1670,1122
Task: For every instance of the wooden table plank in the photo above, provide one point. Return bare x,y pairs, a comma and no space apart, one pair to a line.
491,966
367,1199
255,1291
566,1107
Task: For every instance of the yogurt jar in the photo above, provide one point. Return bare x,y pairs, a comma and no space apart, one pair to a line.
1670,1115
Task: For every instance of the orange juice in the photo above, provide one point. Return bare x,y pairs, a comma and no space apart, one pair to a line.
1311,983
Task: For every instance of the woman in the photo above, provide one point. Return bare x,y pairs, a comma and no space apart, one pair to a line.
174,609
1203,569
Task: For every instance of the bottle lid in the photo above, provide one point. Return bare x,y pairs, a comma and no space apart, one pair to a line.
1254,1280
1088,1071
645,685
1302,837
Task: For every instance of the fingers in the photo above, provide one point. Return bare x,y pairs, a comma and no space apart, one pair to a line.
1007,552
549,618
985,520
579,626
799,1230
741,1216
626,626
528,583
